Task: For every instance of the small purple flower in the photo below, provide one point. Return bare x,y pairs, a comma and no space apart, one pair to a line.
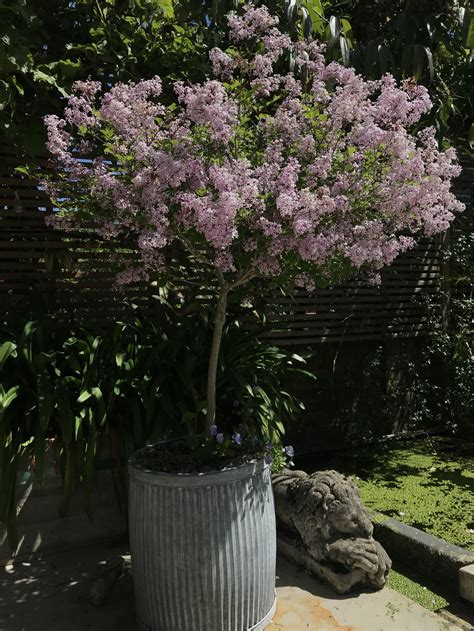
289,451
269,445
237,438
220,438
268,459
236,403
213,430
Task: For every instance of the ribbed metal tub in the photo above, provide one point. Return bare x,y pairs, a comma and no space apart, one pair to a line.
203,549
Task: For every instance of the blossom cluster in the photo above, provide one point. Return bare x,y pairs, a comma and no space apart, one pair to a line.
259,171
272,453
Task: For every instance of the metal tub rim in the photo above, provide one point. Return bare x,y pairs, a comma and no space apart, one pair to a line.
226,475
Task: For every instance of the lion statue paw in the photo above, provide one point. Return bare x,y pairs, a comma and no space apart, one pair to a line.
325,513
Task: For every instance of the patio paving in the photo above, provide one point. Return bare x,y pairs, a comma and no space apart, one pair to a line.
51,594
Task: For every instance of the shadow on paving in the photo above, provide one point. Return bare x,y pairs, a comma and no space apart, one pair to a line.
52,594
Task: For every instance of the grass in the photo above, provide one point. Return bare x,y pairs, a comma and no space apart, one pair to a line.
428,484
410,588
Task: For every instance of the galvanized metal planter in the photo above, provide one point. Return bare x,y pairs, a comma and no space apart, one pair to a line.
203,549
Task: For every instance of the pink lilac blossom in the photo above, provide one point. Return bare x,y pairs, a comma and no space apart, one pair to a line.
275,43
210,105
222,64
254,22
225,262
130,110
305,281
326,170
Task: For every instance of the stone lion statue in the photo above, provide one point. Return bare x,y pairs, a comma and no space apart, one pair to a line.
323,516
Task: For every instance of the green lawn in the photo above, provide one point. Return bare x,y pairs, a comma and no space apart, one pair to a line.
428,485
419,593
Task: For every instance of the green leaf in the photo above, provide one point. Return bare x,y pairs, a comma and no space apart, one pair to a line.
5,94
429,57
345,52
69,475
12,532
24,343
335,26
471,136
386,60
19,88
167,7
99,397
467,27
20,57
316,14
65,418
6,349
407,60
45,401
371,58
307,24
66,67
39,75
419,57
347,30
84,396
39,451
6,398
89,468
43,77
24,170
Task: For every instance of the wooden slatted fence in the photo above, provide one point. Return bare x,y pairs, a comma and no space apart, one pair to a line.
73,273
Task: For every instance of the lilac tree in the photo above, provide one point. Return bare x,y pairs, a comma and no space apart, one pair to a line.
299,176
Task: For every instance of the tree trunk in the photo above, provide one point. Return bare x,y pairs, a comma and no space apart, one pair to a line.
214,356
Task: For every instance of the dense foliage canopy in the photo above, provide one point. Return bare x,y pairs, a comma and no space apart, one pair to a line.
46,46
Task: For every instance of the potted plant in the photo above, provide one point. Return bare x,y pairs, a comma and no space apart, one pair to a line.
301,177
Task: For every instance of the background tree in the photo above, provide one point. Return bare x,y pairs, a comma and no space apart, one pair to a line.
45,47
431,41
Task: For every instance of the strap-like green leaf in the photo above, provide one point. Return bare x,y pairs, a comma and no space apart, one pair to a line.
84,396
429,57
419,57
345,52
335,26
6,398
6,349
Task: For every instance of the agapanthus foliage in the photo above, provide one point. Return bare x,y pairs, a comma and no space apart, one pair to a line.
303,176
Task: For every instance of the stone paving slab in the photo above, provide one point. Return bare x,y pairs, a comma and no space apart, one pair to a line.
51,594
304,604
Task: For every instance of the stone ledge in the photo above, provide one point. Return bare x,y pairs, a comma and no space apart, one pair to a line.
441,562
466,582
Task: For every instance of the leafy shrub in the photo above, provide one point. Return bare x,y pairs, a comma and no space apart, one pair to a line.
137,382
